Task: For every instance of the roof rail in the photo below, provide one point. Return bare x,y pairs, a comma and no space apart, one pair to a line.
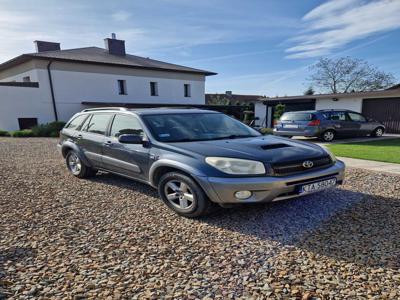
104,108
334,109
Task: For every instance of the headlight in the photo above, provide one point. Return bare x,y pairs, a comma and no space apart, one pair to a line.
330,153
236,166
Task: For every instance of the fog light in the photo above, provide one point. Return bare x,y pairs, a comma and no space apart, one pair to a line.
241,195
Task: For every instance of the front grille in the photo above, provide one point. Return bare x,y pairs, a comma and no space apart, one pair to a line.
289,168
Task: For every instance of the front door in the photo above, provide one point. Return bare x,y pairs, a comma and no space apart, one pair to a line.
126,159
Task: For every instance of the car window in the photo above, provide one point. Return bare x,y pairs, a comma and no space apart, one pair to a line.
124,124
337,116
189,127
75,123
357,117
298,116
98,123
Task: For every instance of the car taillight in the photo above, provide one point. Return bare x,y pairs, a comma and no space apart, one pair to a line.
314,123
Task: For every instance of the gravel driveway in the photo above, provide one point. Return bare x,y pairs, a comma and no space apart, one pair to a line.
108,237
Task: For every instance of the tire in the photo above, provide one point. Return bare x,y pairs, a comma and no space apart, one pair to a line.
378,132
77,167
183,195
328,135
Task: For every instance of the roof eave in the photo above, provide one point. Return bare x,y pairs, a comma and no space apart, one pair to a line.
26,57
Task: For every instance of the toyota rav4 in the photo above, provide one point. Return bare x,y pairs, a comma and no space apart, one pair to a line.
195,158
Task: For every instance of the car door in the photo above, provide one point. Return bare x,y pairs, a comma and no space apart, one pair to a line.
126,159
362,127
91,138
340,122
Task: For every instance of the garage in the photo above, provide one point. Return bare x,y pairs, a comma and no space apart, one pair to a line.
385,110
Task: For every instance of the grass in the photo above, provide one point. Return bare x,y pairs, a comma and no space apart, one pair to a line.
378,150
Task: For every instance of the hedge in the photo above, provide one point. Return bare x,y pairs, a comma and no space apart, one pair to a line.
48,130
4,133
22,133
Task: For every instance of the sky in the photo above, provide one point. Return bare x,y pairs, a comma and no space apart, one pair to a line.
258,47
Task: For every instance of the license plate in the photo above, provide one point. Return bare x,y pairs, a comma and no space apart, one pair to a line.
291,126
317,186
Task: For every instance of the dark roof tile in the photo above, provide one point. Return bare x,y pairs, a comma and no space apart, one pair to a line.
96,55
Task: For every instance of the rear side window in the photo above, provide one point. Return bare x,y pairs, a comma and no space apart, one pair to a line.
298,117
337,116
124,124
75,123
98,123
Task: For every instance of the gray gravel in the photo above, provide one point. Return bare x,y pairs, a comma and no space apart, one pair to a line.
108,237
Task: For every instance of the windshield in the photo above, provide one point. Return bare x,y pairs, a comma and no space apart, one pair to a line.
189,127
303,116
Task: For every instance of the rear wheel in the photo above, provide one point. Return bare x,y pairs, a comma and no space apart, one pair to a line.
77,167
183,195
328,136
378,132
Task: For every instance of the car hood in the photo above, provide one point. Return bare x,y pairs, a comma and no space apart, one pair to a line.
269,149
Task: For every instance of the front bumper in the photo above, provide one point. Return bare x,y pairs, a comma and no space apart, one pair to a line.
311,131
265,189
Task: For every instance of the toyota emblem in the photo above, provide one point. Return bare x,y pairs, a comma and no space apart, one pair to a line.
308,164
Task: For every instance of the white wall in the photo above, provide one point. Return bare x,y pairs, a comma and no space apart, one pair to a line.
260,111
72,88
89,83
354,104
23,102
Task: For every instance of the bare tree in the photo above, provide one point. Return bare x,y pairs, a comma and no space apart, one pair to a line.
346,74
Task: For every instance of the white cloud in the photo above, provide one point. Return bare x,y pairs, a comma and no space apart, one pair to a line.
339,22
121,16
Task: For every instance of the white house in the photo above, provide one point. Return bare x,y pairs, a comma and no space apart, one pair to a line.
53,84
382,105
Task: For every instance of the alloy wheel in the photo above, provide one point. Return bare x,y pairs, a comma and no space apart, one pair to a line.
74,163
329,136
179,194
379,132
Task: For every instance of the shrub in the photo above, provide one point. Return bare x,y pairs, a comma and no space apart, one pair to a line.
48,130
22,133
266,130
4,133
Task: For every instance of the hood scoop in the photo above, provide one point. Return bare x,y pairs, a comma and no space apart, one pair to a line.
275,146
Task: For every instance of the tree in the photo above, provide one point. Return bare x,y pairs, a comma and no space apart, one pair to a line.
309,91
279,109
217,99
346,74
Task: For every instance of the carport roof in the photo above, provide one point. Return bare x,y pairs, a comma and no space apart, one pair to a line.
96,55
391,92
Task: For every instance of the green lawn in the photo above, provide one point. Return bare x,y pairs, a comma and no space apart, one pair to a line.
379,150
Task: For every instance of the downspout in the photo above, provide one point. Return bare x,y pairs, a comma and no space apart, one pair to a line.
53,99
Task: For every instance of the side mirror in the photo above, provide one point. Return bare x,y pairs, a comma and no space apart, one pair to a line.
130,139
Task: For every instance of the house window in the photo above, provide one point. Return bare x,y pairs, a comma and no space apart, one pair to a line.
27,123
122,87
26,79
187,91
153,88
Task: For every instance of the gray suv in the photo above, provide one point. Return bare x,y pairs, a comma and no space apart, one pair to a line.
195,158
327,124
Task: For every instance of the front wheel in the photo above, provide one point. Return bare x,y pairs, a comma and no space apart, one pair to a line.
183,195
378,132
328,136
